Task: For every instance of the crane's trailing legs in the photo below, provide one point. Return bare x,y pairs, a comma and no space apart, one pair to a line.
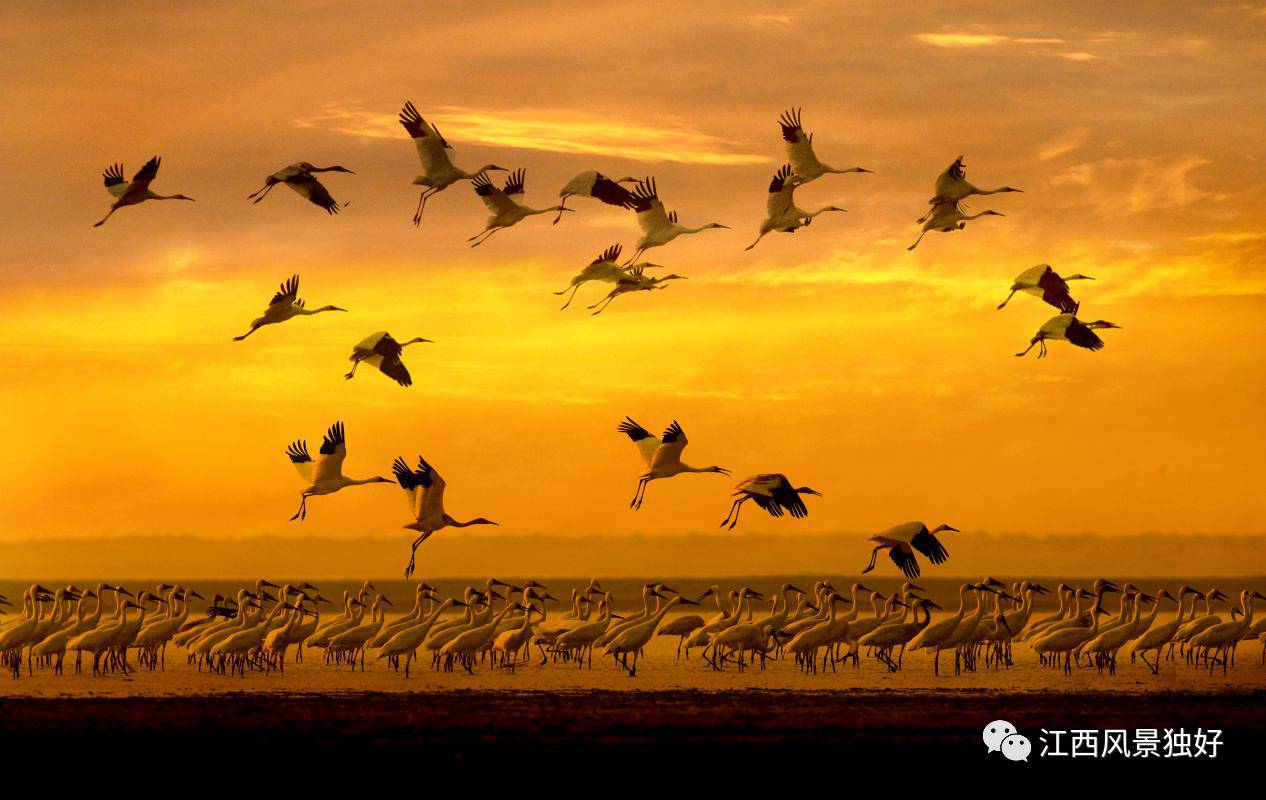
413,554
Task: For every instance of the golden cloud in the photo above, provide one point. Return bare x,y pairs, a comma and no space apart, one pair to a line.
553,130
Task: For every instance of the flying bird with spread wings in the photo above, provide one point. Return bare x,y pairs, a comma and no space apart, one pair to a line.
129,193
805,165
285,304
424,489
325,474
662,456
438,171
301,178
381,350
781,212
505,210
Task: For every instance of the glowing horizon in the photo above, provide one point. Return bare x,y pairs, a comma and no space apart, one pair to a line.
883,378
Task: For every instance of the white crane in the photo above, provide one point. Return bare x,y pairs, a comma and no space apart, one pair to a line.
948,217
781,212
285,305
633,280
605,268
633,638
659,227
662,456
804,162
506,211
381,350
1066,327
129,193
1044,282
325,474
952,186
903,540
438,172
301,177
1224,637
772,492
592,183
425,490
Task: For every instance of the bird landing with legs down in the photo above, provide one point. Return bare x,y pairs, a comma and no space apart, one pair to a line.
662,456
424,489
774,493
438,171
903,540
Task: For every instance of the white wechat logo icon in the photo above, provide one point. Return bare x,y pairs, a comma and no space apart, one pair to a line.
1016,747
995,732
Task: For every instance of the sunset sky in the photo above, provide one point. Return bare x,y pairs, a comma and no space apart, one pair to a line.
883,378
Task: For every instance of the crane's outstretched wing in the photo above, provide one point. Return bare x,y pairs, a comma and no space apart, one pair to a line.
671,443
948,182
930,546
781,193
145,174
1083,336
333,450
409,481
799,145
495,199
308,186
650,210
426,138
646,444
298,453
610,192
1055,291
786,496
113,179
431,495
514,183
905,561
289,292
394,368
611,254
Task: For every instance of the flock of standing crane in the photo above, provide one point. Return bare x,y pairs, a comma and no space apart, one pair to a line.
505,626
773,492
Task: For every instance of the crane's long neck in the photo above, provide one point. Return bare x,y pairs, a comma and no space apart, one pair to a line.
452,523
974,216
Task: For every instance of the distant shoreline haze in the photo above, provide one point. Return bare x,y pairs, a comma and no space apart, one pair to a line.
719,555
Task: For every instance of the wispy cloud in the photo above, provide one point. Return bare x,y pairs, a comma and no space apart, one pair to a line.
1079,56
1138,184
960,39
1064,143
554,130
768,20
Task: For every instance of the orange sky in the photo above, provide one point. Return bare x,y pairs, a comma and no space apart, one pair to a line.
883,378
